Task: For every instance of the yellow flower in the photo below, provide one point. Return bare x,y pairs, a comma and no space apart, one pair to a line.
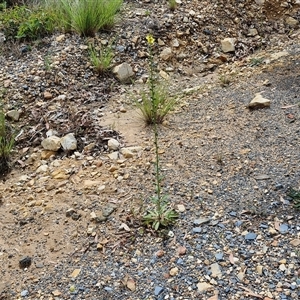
150,39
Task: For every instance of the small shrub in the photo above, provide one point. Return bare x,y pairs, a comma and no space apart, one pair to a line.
39,24
6,144
23,22
11,19
87,17
101,59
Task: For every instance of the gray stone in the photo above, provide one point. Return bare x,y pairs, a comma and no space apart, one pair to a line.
284,228
219,256
158,290
24,293
166,54
51,143
228,45
123,72
69,142
197,230
201,221
25,262
113,144
259,102
251,236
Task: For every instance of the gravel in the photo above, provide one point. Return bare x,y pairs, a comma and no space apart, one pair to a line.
226,168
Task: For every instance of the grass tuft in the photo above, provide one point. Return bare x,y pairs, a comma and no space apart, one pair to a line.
87,17
6,144
101,59
160,100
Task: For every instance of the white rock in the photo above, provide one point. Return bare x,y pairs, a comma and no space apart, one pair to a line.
60,38
69,142
215,270
175,43
51,132
228,45
203,286
259,102
51,143
113,144
42,169
114,155
123,72
166,54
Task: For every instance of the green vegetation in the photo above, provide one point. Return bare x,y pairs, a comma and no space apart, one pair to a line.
295,195
101,59
172,4
6,144
23,22
31,22
161,215
86,17
256,61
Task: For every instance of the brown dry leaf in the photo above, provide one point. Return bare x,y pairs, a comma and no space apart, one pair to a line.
277,225
248,292
131,284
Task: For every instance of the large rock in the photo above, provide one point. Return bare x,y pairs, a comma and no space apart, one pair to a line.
228,45
123,72
51,143
69,142
259,102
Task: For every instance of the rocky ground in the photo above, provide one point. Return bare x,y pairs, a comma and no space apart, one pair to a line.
70,220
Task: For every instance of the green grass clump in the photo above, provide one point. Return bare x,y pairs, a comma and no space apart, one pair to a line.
6,144
160,100
86,17
101,59
172,4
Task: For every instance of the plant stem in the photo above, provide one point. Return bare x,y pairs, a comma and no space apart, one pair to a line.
155,130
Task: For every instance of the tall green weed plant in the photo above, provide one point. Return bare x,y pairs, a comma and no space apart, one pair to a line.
161,215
